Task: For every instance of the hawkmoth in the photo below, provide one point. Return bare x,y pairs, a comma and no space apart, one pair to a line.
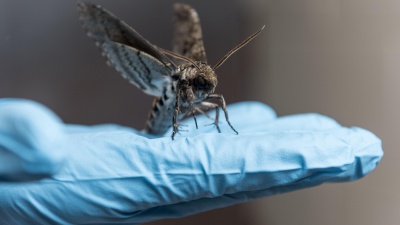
180,91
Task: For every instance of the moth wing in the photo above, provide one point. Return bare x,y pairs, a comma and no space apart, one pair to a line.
188,37
141,69
102,26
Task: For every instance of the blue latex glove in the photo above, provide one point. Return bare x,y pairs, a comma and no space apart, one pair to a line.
109,174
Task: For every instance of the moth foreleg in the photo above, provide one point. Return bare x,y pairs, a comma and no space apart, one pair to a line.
210,105
175,116
194,117
223,106
190,96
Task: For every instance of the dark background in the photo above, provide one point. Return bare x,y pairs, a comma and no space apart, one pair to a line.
335,57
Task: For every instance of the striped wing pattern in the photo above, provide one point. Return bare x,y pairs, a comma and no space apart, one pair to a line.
132,55
140,68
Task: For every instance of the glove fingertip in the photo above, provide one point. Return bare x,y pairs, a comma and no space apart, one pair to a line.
252,111
369,152
32,140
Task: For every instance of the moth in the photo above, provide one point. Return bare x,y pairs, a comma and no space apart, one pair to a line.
179,90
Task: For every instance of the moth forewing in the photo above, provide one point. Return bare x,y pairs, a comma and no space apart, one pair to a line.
180,90
102,26
188,37
140,68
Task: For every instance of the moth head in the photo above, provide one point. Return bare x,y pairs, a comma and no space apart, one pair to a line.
200,76
205,80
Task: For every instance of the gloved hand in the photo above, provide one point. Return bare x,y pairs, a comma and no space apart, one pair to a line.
108,174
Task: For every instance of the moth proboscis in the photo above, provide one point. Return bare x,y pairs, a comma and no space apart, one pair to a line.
181,90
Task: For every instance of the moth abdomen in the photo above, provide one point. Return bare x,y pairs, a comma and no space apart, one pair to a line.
160,115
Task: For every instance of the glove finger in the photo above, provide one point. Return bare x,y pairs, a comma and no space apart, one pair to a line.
251,117
248,113
300,122
31,140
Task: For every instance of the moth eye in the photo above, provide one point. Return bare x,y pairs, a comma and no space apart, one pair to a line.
200,83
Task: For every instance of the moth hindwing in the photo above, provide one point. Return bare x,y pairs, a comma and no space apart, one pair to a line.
181,90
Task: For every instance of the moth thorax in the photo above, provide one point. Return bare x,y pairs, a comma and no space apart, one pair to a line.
189,72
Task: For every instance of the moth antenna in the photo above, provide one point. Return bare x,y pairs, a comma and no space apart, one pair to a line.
173,54
239,46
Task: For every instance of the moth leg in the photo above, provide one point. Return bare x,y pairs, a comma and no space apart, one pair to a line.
175,116
210,105
190,96
199,110
194,117
223,106
182,127
180,130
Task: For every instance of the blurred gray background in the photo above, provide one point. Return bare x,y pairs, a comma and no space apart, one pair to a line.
338,58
